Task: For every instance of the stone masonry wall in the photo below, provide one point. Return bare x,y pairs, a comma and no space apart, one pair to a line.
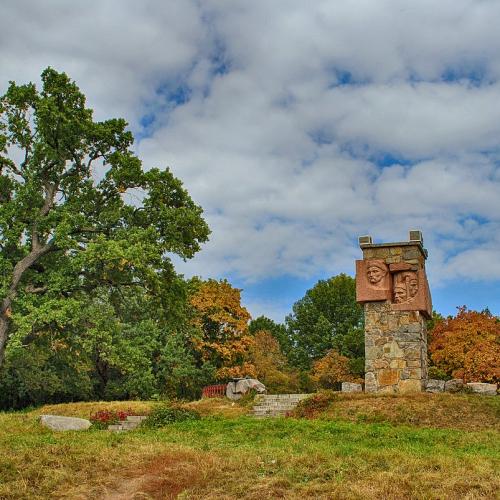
395,349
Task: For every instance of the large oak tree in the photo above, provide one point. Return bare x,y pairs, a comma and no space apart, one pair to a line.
77,210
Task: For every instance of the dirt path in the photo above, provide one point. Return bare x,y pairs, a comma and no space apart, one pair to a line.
164,477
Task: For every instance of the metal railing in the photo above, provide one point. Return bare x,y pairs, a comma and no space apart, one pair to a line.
214,391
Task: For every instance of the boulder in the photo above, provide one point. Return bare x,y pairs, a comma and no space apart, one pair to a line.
351,387
58,423
482,388
434,385
454,385
237,387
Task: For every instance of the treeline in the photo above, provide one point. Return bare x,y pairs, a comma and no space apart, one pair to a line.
128,344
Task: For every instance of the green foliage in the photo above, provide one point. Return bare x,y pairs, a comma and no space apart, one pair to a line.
88,294
352,345
180,374
168,414
437,373
38,374
326,317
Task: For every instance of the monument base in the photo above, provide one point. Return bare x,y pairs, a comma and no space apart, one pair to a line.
395,349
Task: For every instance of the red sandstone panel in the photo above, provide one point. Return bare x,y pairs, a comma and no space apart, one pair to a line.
402,266
411,292
373,281
428,299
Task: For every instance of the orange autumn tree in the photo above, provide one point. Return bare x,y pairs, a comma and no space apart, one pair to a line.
221,325
467,346
332,369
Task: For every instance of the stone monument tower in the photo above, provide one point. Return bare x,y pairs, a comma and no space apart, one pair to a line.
392,284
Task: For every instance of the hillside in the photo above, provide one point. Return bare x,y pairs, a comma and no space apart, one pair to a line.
356,446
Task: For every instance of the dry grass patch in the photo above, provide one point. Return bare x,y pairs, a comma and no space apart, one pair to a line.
163,476
210,406
84,410
222,407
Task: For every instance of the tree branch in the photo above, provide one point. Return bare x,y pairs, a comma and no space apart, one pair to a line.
50,192
19,269
34,289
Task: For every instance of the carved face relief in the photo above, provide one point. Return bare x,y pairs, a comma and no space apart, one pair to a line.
413,287
375,273
373,281
400,295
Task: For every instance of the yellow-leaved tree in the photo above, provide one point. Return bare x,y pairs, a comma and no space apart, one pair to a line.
221,326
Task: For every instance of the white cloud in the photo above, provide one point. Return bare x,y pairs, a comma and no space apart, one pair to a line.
290,104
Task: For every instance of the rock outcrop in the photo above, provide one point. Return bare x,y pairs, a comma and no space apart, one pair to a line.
58,423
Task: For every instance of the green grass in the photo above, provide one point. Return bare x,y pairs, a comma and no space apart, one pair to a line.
241,457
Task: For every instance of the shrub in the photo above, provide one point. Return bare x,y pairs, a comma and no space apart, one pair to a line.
311,407
168,414
437,373
332,369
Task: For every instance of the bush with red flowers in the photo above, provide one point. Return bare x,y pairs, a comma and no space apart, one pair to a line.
102,418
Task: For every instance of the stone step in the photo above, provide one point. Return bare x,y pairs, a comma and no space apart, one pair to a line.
116,428
267,410
124,426
278,402
283,400
270,410
276,405
281,396
132,422
273,414
136,418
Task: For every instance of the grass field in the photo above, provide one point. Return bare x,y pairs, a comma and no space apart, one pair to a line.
359,447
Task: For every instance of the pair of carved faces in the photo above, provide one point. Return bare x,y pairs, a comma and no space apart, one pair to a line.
405,287
402,284
405,283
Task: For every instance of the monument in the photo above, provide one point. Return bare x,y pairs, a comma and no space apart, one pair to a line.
392,284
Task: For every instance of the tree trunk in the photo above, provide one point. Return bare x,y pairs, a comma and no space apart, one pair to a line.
4,330
5,309
102,371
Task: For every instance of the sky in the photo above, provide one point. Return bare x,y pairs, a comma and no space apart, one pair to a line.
298,126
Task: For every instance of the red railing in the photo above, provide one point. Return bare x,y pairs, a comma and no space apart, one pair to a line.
214,391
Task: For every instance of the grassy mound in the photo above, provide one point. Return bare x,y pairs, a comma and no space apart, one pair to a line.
452,411
337,455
